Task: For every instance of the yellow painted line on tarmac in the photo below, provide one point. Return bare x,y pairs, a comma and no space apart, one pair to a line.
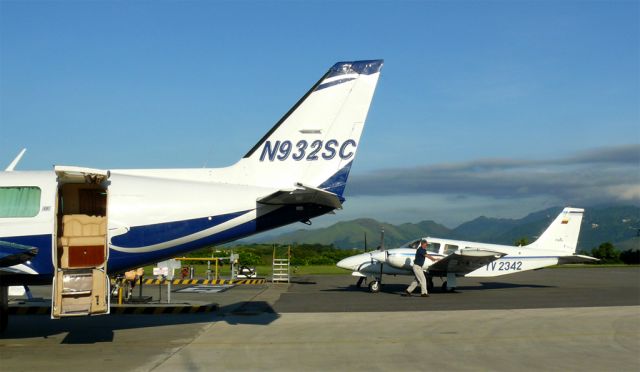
205,281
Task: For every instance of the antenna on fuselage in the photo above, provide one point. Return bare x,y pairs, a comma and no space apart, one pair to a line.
15,161
382,249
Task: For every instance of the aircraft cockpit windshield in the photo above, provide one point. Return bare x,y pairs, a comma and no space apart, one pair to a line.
412,244
431,247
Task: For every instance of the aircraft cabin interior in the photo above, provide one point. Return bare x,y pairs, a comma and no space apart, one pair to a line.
81,281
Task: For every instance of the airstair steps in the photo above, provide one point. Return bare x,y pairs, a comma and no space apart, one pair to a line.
281,267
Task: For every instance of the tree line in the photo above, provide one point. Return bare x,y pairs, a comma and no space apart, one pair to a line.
605,252
262,254
608,254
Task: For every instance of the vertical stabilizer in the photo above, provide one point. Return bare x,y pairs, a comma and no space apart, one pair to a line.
562,234
316,141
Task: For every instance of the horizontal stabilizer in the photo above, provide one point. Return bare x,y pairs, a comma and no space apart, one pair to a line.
576,258
14,254
465,261
302,195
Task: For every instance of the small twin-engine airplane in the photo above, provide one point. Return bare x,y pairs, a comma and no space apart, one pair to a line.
73,226
456,258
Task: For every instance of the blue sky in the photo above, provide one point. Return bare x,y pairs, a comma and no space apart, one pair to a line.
484,107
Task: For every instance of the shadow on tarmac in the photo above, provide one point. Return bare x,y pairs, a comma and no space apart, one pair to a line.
99,329
493,285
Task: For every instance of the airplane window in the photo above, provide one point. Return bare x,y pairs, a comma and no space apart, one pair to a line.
450,248
21,201
433,247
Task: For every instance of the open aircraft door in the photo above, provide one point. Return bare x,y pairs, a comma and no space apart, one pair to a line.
80,249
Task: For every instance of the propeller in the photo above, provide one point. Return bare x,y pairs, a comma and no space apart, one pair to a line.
382,249
380,255
365,242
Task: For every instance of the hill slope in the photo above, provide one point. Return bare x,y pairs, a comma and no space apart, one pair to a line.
350,234
618,225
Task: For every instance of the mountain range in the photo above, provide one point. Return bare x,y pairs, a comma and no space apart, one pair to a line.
619,225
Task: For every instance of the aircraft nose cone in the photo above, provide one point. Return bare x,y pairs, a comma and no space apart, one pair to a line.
346,263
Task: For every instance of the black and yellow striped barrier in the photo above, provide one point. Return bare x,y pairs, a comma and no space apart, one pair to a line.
205,281
125,309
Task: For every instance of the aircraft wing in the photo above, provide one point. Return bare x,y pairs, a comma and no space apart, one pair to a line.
464,261
302,195
13,254
576,258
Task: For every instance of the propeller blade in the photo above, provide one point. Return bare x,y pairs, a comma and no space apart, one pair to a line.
365,241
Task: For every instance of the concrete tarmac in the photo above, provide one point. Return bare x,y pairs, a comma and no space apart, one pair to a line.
554,319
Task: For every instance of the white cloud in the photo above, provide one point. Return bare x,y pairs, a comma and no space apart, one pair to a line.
453,193
597,176
627,193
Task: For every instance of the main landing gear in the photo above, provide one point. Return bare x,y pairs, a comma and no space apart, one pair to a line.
374,286
429,283
449,285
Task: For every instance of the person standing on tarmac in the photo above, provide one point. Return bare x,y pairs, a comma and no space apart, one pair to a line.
418,261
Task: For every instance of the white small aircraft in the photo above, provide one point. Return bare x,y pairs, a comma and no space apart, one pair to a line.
457,258
73,226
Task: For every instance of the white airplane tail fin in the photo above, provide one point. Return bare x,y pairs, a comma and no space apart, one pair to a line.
315,143
562,234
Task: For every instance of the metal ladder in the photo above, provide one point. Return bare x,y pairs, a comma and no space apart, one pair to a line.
281,268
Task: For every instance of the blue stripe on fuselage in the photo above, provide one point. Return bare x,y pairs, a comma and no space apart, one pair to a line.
120,261
141,236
